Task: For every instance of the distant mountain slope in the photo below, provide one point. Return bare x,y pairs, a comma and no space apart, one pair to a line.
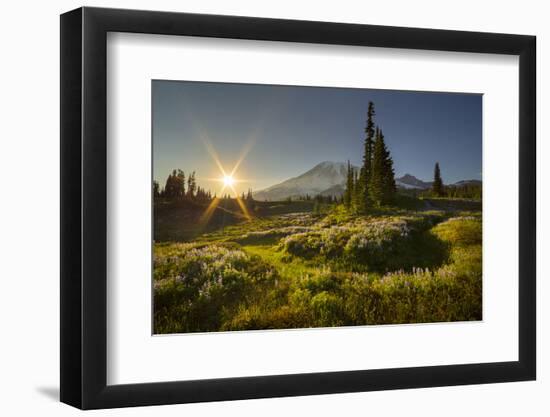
329,178
466,182
334,191
409,181
325,178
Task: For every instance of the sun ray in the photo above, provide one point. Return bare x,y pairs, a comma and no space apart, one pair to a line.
227,179
243,207
212,152
205,218
221,179
243,154
240,202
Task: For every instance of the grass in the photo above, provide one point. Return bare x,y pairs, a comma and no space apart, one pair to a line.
337,269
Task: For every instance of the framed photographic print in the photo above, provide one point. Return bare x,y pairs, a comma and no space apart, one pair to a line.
258,208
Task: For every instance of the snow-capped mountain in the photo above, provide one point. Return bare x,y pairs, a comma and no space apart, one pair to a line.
329,178
326,178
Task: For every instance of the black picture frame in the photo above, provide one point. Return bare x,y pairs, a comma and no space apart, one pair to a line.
84,207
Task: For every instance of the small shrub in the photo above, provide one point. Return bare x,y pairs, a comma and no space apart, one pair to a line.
197,287
460,231
327,310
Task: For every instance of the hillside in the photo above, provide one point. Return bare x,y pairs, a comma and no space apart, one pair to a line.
183,220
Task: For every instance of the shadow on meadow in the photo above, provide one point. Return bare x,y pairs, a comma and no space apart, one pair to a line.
299,271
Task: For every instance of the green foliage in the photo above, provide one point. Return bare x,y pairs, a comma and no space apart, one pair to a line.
316,207
369,244
175,185
191,185
376,182
437,186
357,197
382,182
407,202
197,287
325,299
349,192
327,310
362,184
460,231
470,191
409,268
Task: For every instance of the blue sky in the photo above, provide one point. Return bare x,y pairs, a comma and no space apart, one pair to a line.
287,130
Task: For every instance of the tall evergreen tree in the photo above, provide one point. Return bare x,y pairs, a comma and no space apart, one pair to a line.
180,183
175,184
388,174
357,195
376,179
168,187
348,194
191,185
366,169
382,180
437,186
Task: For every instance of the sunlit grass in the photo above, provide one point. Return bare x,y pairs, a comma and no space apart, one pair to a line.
343,269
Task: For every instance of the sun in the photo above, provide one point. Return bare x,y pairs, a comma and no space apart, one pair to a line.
228,180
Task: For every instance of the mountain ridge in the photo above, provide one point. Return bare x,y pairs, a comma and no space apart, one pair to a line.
328,178
321,177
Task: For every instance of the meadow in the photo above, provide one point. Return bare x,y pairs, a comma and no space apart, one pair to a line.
290,266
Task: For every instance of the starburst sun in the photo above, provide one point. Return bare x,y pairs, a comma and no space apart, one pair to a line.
228,180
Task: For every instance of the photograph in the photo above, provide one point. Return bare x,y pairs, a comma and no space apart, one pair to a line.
294,207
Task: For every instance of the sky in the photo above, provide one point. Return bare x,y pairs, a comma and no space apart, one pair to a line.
279,132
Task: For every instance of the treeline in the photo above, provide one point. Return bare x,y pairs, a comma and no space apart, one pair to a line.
228,202
374,184
177,187
325,199
473,191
